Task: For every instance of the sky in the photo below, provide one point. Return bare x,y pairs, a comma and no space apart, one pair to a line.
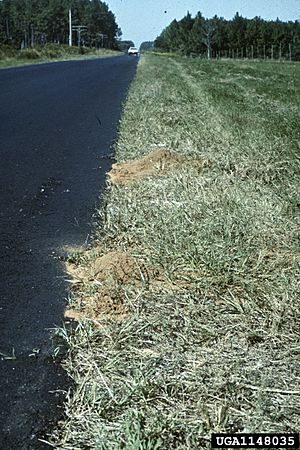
143,20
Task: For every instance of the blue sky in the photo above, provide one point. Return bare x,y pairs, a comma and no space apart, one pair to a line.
143,20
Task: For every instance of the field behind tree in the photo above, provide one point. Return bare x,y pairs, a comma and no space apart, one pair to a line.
202,334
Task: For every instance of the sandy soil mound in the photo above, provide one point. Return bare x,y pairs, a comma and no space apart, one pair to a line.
109,276
158,162
119,267
110,273
109,303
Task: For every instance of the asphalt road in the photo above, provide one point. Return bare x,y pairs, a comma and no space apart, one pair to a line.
57,126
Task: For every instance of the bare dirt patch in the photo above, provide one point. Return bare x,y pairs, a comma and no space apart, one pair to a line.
158,162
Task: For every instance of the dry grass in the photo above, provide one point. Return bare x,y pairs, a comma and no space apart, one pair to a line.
210,341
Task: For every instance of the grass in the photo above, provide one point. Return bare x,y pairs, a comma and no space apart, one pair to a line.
211,342
9,57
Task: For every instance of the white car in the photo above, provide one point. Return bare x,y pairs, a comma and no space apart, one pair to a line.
133,51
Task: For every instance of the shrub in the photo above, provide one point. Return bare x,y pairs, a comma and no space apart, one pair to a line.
7,51
29,53
84,50
52,51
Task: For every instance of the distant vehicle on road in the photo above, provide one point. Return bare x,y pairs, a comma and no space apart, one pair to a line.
133,51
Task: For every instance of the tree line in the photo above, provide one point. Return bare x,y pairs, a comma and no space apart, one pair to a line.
124,45
25,23
146,45
239,37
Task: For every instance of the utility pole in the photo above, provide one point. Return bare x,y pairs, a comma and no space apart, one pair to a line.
70,28
102,37
290,51
79,29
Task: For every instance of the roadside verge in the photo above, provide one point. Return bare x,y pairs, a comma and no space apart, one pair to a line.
188,301
9,57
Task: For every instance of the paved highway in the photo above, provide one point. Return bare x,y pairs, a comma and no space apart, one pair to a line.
57,125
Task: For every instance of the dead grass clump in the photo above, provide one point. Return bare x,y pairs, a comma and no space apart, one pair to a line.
73,314
158,162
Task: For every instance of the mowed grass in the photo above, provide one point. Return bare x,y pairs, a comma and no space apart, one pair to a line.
212,344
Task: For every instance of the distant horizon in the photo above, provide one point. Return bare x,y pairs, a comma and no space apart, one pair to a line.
143,20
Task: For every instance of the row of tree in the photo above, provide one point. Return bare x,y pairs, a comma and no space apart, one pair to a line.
25,23
239,37
124,45
146,45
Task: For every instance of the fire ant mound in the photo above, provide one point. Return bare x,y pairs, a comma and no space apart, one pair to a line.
108,303
158,162
118,267
110,274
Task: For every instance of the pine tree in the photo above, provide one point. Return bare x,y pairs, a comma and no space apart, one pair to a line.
30,22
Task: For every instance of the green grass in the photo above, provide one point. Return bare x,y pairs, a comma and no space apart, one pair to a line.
212,344
9,57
